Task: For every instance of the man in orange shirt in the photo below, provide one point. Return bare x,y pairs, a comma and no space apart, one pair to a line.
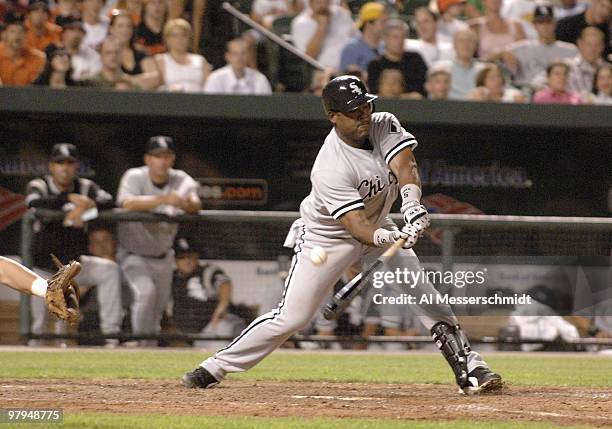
19,65
39,31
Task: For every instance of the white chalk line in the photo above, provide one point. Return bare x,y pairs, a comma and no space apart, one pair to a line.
337,398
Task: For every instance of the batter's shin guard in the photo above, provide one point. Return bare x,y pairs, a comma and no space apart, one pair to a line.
455,347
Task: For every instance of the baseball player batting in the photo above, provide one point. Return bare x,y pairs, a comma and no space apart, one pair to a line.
365,160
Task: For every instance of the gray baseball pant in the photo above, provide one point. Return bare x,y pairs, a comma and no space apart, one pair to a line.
306,288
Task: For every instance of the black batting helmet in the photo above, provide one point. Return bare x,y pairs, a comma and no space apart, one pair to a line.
345,94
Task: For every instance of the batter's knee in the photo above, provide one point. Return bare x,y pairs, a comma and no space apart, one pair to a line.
295,322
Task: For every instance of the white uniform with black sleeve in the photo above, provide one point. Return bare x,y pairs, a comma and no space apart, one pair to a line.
71,244
343,179
145,248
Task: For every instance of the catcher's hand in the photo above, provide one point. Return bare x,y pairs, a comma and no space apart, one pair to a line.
62,296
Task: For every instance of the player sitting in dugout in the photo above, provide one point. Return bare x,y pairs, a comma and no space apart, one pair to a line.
202,297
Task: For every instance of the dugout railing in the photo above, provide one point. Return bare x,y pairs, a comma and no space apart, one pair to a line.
258,235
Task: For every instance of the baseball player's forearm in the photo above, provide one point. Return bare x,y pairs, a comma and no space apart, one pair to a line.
405,168
52,203
359,227
191,204
81,201
225,292
143,202
18,277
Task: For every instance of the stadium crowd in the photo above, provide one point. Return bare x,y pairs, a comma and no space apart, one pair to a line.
514,51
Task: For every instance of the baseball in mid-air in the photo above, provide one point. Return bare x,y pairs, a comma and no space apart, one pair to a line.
318,255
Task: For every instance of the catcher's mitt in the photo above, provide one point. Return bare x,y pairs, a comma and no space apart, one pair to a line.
62,294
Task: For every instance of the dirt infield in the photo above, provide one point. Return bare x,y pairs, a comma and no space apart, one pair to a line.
564,406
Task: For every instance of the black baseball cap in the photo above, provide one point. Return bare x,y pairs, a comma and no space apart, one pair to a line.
543,12
158,144
62,151
182,247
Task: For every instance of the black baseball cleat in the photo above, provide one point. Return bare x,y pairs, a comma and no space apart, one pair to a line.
199,377
482,381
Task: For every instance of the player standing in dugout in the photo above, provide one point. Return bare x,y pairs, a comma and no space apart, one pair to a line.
366,158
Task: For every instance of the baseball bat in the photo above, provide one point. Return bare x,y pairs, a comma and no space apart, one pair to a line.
336,306
270,35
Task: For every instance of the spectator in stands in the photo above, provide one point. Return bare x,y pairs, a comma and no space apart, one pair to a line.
556,91
132,7
319,80
411,64
80,200
236,77
358,53
39,31
265,12
438,83
429,45
11,10
57,72
322,30
19,64
134,61
495,32
448,22
111,75
251,38
491,86
584,65
522,12
202,295
597,15
528,59
602,87
65,11
474,8
181,71
145,249
149,33
464,67
391,84
567,8
84,60
94,23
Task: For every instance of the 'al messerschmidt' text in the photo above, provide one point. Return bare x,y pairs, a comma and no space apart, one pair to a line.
432,298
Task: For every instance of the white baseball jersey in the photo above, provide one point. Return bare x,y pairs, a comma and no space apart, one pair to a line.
151,238
345,178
